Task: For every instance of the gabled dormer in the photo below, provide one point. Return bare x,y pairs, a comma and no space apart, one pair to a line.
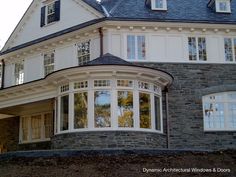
220,6
157,4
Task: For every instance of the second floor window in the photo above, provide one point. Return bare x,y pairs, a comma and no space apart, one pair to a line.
19,73
230,49
83,53
197,48
136,47
223,6
159,5
48,63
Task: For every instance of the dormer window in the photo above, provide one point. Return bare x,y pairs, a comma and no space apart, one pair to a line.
50,13
223,6
159,5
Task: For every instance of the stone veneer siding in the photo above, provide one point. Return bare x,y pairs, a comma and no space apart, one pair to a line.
191,82
9,133
109,140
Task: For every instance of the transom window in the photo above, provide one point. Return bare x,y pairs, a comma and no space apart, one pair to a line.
230,49
110,104
49,62
83,53
223,6
19,73
136,47
220,111
197,48
34,128
159,4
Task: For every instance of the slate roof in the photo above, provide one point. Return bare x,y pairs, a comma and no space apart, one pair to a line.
109,59
178,11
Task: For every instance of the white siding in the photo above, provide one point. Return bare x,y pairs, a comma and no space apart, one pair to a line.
33,68
32,29
65,57
9,73
157,48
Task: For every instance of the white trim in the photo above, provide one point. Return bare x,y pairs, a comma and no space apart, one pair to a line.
214,99
153,5
29,118
228,6
113,89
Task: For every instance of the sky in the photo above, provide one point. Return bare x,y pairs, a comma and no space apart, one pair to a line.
11,11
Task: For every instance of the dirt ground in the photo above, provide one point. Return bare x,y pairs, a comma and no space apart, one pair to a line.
187,164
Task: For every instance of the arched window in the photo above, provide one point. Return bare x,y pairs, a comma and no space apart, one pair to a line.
220,111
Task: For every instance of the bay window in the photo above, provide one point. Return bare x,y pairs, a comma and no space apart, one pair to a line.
109,104
220,111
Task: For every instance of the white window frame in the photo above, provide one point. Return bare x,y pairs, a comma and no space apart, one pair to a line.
136,47
197,48
228,4
226,102
232,39
153,5
47,13
49,64
113,89
88,54
42,136
19,75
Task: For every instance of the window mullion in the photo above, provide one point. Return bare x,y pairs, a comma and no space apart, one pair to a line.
136,106
90,105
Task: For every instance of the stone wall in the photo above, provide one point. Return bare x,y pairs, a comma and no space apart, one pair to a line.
9,133
191,82
109,140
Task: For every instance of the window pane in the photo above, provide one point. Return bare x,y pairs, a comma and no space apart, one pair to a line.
102,83
159,4
48,63
157,112
36,127
64,117
228,49
48,122
102,109
131,47
141,47
125,109
223,6
81,110
124,83
192,48
232,115
83,53
145,110
19,73
202,49
25,128
51,13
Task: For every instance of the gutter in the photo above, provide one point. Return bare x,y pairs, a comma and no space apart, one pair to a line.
167,119
3,74
101,41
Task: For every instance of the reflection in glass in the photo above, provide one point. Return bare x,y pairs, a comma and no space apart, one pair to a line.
145,110
131,47
228,49
64,113
125,109
157,112
192,48
102,109
80,110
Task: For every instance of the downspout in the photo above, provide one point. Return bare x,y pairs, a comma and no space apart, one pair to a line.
101,41
3,74
167,120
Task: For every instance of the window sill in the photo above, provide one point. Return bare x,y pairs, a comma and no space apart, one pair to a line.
221,131
36,141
